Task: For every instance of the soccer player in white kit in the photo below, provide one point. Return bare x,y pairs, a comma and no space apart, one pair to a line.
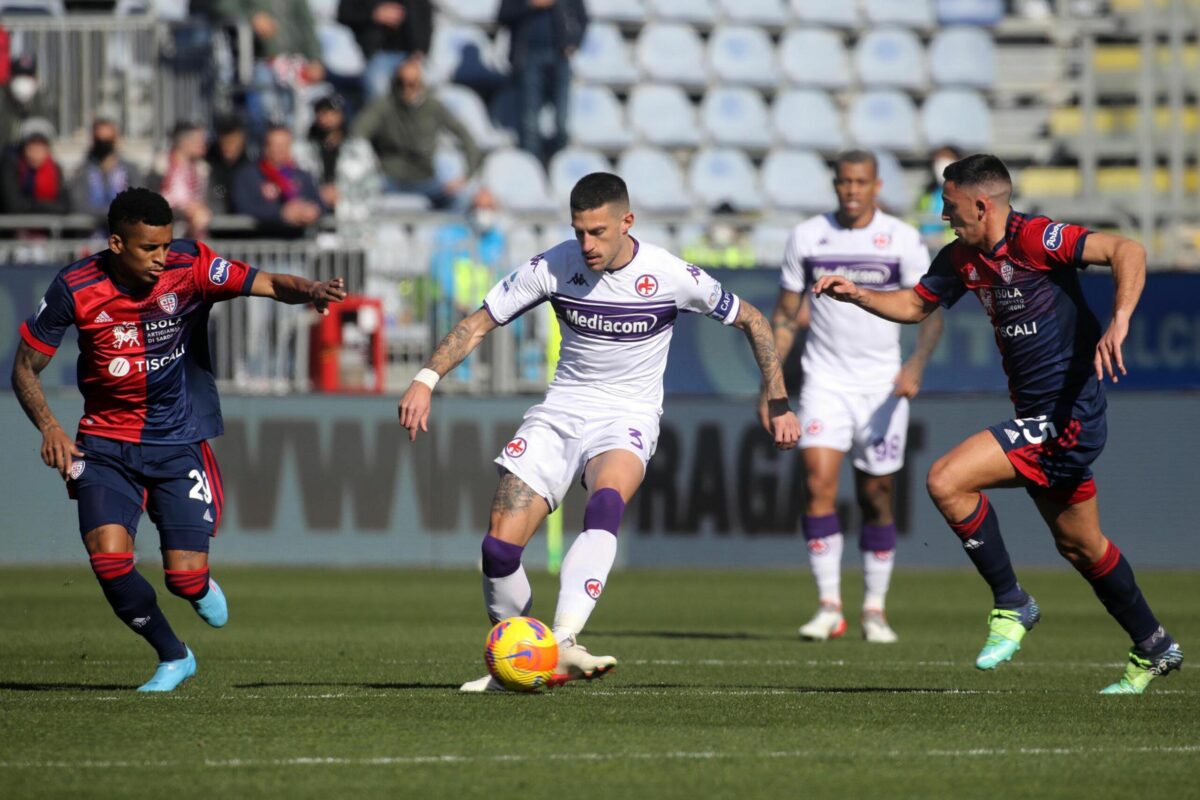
616,300
855,393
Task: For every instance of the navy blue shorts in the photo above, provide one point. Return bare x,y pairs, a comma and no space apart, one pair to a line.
1055,457
178,484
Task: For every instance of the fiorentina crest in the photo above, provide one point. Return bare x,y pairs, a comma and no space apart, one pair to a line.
169,302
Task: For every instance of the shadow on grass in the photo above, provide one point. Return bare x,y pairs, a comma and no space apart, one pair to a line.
343,684
39,686
702,635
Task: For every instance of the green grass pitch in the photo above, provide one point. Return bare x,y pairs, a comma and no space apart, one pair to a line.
341,683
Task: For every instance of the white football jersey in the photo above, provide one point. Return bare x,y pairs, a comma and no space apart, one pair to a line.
848,349
616,326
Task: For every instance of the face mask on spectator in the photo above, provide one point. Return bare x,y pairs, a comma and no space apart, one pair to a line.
23,88
482,219
102,149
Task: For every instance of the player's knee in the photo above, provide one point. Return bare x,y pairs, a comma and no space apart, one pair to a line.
1073,552
186,583
875,500
500,558
604,511
941,483
821,488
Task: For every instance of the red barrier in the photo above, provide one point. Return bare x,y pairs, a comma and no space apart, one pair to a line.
347,347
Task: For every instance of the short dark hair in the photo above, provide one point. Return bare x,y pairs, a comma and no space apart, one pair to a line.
138,205
181,130
978,170
598,188
856,157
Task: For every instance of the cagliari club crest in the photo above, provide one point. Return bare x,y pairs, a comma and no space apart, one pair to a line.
169,302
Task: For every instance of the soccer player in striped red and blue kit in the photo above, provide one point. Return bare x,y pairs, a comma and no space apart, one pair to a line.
1024,271
150,407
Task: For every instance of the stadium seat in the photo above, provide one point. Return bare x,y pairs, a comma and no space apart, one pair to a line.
671,53
455,48
693,12
655,233
604,57
885,119
517,180
736,117
908,13
814,57
662,115
959,117
891,57
970,12
798,180
596,118
963,56
340,52
449,163
465,104
32,7
655,181
768,13
480,12
807,118
724,175
569,165
835,13
322,10
894,195
742,54
624,11
769,241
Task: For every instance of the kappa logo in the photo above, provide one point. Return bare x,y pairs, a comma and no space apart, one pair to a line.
1006,272
593,587
102,318
694,271
646,285
125,334
578,280
972,544
516,448
1052,237
77,468
169,302
218,271
882,240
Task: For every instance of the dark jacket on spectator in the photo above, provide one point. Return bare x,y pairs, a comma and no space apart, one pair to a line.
558,27
220,180
13,114
257,194
413,36
92,189
24,191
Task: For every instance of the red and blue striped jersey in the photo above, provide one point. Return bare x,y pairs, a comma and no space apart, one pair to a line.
1029,286
144,365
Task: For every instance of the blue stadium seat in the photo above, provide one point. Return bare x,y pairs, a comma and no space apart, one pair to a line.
836,13
671,53
742,54
465,104
798,180
959,117
517,180
970,12
693,12
569,165
891,57
655,181
815,57
481,12
662,115
340,52
963,56
628,11
884,118
604,57
894,195
807,118
768,13
736,117
725,175
597,119
908,13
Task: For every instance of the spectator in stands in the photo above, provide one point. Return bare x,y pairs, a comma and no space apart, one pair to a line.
22,99
103,174
545,34
31,182
389,33
929,208
226,155
403,128
185,180
326,136
288,57
723,243
281,196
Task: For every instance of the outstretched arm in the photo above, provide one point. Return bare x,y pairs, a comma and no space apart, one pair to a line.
1128,261
450,352
908,380
774,413
294,290
903,306
790,316
57,446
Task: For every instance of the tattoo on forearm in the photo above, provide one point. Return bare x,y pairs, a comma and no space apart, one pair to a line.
451,350
762,342
28,387
512,495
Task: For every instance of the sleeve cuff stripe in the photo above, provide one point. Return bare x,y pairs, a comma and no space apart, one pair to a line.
925,294
34,342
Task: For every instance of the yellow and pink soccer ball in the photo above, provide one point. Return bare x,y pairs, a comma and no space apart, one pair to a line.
521,653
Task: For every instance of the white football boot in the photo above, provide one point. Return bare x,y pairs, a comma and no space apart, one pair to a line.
875,627
827,623
485,684
576,663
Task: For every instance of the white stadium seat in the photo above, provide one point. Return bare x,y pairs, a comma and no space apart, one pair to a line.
481,12
768,13
604,57
340,52
736,117
884,118
655,181
628,11
894,196
671,53
742,54
694,12
958,117
662,115
798,180
838,13
769,241
517,180
891,57
466,106
597,119
724,175
807,118
909,13
569,165
322,10
963,56
815,57
970,12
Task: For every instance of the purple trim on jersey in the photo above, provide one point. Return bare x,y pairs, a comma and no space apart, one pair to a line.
820,527
516,314
613,321
872,272
636,246
877,538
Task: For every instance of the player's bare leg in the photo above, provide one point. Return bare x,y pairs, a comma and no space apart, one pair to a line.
187,576
133,600
955,483
823,535
878,545
1077,534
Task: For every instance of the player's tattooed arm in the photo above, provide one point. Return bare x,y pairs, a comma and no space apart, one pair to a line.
786,320
450,352
57,445
773,410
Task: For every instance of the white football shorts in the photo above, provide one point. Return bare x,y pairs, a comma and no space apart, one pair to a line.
872,427
554,443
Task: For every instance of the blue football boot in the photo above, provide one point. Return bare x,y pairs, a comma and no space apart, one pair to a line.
212,608
170,674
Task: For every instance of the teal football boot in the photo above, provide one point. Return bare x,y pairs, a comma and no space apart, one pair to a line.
1006,629
170,674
